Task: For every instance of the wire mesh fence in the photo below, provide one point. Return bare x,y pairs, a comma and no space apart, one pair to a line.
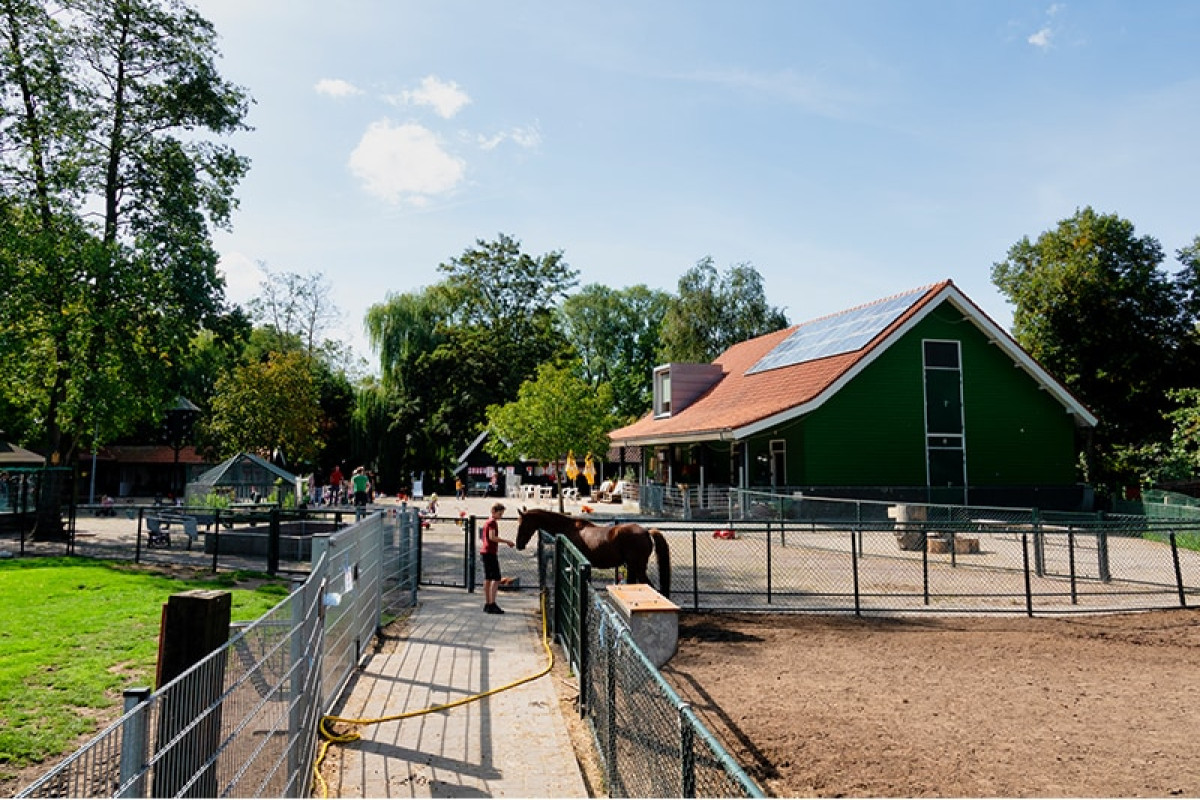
243,721
650,742
930,566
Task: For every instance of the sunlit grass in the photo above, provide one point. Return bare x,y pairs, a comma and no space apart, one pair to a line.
74,633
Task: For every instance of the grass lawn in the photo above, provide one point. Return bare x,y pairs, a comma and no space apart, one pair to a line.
75,633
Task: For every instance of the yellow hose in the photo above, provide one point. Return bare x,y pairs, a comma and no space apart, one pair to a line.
332,737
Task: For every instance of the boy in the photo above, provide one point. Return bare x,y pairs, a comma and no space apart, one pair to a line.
489,553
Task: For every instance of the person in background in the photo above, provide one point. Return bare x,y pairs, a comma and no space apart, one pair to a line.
361,484
489,553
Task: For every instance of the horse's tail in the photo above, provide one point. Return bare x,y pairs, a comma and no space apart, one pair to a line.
664,561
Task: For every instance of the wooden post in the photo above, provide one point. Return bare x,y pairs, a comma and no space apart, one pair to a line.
194,624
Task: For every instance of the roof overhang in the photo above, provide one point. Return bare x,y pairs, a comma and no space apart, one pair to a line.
949,293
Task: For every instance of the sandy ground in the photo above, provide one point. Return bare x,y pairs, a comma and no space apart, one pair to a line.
1087,706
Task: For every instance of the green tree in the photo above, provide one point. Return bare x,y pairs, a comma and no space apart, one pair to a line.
616,334
714,312
266,407
468,342
554,414
104,110
1094,306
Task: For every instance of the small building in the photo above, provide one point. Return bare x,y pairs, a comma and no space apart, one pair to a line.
138,470
915,397
242,478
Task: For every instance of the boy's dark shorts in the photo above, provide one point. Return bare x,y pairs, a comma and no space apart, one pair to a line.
491,566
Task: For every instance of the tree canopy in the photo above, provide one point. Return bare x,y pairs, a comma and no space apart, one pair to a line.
109,185
556,413
1093,304
714,312
616,334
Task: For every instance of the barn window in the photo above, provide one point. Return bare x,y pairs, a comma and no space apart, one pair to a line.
945,440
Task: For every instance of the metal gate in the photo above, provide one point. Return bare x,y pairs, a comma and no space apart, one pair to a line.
450,553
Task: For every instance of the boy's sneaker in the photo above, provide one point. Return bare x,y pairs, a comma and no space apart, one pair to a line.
497,609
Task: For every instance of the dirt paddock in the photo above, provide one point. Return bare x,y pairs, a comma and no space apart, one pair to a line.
1092,705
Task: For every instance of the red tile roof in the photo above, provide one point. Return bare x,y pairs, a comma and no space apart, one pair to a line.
739,401
145,454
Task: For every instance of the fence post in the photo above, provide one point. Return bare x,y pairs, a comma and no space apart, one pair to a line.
134,743
925,565
469,553
1039,545
1028,583
1178,571
195,623
584,600
1071,562
1102,555
273,541
769,573
216,537
854,568
695,573
137,548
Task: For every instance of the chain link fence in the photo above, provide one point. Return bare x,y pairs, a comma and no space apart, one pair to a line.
978,565
243,721
649,741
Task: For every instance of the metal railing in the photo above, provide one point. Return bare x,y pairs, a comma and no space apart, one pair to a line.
650,742
243,721
979,566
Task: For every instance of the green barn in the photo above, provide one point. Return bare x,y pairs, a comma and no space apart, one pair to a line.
915,397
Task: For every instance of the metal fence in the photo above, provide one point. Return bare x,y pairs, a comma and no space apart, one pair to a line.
243,721
650,742
981,566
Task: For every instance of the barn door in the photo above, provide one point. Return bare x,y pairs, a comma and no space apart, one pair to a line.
945,446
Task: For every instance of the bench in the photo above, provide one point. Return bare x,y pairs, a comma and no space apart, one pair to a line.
159,526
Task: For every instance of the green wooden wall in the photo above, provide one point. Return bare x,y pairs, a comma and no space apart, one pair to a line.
872,433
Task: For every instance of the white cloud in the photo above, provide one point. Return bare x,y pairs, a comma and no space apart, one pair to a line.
1042,38
336,87
528,137
404,163
445,98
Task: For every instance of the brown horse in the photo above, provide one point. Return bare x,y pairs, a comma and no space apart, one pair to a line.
605,547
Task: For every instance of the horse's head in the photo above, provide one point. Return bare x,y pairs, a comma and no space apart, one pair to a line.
525,529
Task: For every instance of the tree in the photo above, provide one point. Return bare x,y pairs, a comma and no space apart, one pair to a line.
616,333
714,312
556,413
1093,305
267,407
295,308
104,106
466,343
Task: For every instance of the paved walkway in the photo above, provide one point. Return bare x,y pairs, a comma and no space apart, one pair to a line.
511,744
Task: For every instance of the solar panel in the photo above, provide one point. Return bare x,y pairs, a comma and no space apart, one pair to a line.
838,333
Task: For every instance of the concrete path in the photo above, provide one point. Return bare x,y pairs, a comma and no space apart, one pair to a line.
511,744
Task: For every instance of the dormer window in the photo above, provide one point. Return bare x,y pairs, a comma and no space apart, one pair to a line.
662,391
678,385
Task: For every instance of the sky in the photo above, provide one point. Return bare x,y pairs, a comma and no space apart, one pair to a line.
846,149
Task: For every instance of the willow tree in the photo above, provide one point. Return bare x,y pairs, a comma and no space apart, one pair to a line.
468,342
110,188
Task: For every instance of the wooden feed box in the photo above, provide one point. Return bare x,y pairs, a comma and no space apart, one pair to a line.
653,619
